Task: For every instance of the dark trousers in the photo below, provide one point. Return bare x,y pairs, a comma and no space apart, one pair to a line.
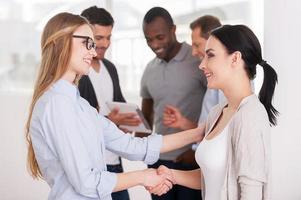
121,195
177,192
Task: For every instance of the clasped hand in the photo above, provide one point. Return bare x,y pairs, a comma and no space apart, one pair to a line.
159,181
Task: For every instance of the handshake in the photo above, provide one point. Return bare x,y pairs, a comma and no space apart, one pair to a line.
159,181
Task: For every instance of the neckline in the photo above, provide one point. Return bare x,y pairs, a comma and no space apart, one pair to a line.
219,134
225,103
63,86
215,122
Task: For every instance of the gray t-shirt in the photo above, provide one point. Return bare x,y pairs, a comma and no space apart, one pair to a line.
178,82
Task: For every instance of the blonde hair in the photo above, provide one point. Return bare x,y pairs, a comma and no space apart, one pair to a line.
56,46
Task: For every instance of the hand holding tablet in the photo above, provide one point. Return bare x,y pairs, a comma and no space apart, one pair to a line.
131,108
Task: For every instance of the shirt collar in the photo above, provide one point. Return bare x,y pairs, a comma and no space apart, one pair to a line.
243,101
66,88
222,105
181,54
246,100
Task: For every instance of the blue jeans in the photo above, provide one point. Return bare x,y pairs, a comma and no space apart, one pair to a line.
178,192
121,195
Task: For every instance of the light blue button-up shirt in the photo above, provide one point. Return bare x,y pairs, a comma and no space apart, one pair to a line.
69,139
212,97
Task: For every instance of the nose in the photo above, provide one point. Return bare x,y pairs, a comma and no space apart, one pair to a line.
153,45
203,64
103,43
194,52
93,52
106,43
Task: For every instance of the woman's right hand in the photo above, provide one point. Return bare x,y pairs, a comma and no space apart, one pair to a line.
151,178
166,185
157,183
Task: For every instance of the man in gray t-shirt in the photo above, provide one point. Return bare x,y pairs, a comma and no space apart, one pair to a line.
201,28
171,78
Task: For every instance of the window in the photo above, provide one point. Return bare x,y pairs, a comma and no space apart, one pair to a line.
23,23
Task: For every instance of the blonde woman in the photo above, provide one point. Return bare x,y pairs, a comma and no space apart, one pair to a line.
66,136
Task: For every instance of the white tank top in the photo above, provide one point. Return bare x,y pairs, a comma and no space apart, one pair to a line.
211,155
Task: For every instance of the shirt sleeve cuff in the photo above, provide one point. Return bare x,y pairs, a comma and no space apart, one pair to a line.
153,148
106,185
195,146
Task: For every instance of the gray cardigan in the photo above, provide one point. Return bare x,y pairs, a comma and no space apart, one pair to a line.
248,162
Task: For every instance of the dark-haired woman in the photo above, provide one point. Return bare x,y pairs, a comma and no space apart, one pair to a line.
234,156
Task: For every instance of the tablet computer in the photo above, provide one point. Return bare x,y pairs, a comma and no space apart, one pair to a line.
131,108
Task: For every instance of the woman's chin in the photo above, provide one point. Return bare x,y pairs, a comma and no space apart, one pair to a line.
86,70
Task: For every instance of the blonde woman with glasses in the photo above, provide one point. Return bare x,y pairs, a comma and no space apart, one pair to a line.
67,137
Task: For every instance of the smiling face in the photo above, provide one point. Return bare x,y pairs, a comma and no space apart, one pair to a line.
81,57
217,64
160,37
102,35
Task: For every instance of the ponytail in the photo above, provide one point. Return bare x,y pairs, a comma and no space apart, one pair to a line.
241,38
267,91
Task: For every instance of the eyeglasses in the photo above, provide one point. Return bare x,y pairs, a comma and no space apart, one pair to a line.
89,41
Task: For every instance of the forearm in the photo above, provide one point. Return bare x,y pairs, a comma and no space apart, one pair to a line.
181,139
187,124
250,189
129,179
191,179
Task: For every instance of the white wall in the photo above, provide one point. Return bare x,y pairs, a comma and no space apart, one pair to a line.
15,183
282,43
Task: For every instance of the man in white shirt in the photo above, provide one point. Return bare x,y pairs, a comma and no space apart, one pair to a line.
102,84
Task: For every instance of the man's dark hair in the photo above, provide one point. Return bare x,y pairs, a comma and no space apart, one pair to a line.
155,12
98,16
207,23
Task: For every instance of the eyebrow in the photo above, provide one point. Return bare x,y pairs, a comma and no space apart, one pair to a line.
208,50
102,35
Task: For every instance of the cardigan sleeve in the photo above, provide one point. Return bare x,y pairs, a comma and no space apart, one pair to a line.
252,153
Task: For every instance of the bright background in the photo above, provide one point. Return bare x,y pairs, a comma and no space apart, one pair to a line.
21,22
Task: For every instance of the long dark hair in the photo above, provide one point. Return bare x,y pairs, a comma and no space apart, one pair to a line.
241,38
